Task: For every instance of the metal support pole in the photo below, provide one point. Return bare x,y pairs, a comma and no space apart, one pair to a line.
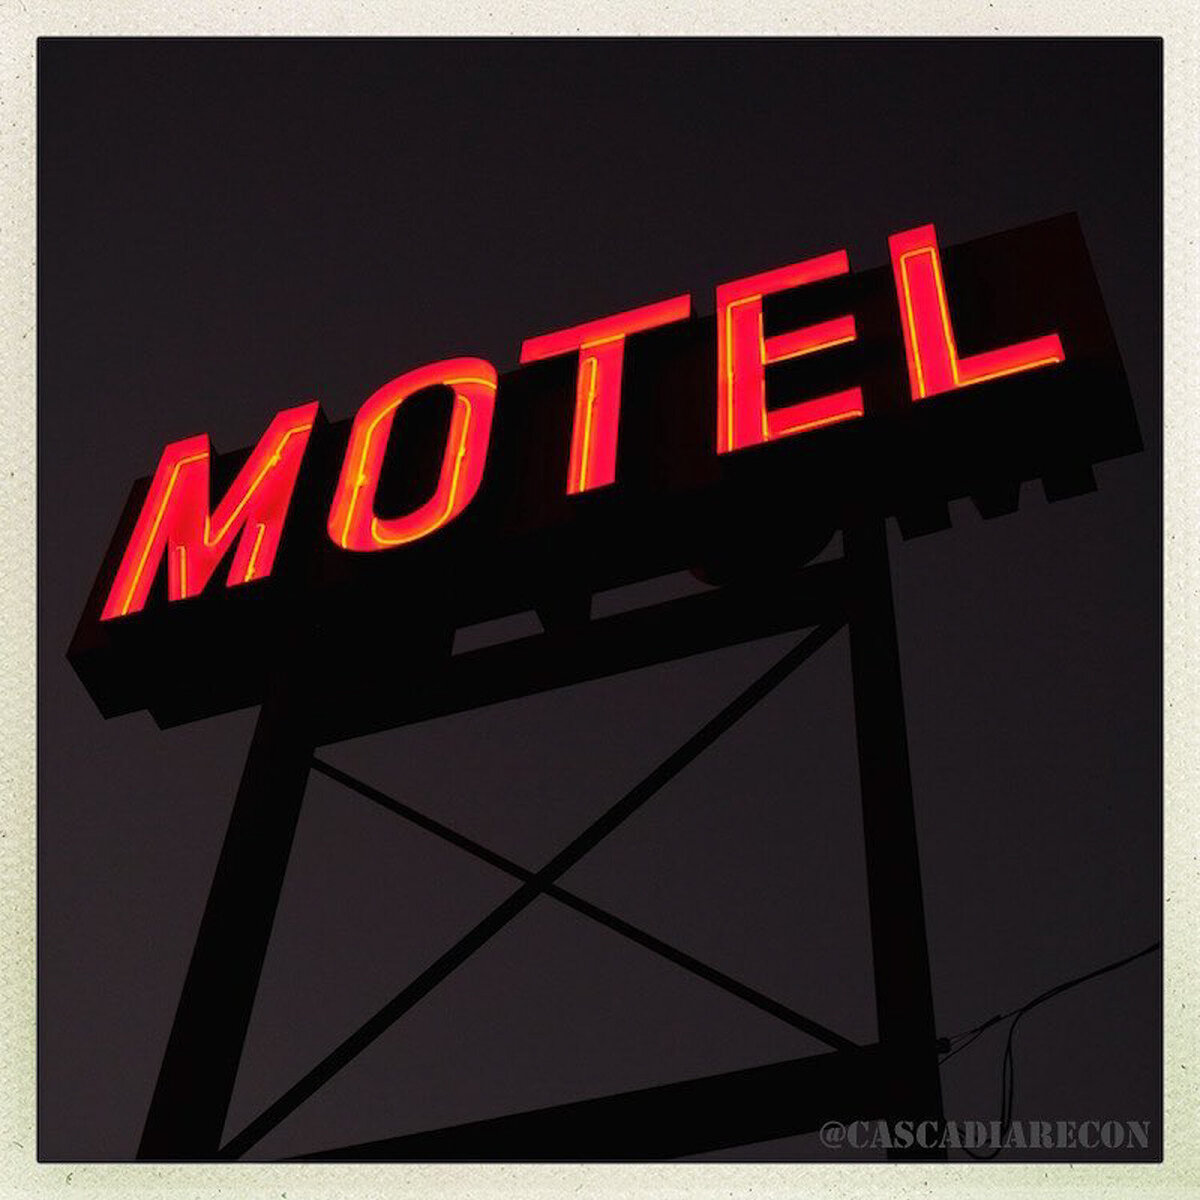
191,1099
903,990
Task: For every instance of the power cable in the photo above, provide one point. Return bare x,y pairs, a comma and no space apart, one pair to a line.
960,1041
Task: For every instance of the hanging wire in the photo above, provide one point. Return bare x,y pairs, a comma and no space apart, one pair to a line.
960,1041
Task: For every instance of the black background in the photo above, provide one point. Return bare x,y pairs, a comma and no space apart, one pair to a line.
231,228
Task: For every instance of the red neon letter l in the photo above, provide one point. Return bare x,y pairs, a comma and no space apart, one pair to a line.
934,365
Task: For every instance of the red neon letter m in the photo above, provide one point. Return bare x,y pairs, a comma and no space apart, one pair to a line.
175,520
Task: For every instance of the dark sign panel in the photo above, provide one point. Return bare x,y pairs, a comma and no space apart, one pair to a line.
732,445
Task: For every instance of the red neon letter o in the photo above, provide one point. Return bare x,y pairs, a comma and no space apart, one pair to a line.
353,524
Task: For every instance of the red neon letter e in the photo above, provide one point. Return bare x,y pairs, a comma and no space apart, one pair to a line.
933,362
743,354
175,519
601,346
353,524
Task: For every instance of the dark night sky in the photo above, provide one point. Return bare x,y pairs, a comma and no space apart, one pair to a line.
231,228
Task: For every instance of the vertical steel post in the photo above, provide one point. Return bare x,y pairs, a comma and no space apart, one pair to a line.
195,1082
903,989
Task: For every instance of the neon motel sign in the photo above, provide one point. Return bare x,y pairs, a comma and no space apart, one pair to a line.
178,524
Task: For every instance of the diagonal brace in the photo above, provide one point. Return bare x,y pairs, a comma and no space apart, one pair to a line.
588,909
529,891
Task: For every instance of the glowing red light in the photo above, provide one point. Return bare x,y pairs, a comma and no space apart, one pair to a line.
175,521
353,524
933,362
601,346
744,353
